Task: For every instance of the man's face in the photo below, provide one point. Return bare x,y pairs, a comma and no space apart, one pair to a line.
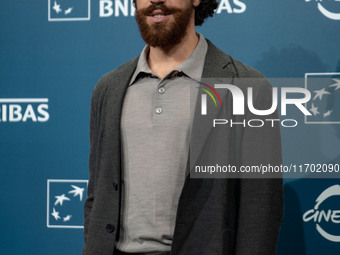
163,23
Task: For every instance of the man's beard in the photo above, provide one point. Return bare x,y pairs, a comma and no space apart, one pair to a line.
164,34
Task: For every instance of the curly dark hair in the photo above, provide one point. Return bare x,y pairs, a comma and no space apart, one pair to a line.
204,10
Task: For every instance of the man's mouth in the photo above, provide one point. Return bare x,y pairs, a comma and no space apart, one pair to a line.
158,16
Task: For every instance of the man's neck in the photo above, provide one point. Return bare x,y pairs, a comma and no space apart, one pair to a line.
161,61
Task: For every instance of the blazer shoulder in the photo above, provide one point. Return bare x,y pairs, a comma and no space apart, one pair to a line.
244,71
120,73
239,69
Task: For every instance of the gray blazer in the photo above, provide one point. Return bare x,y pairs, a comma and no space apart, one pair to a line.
215,216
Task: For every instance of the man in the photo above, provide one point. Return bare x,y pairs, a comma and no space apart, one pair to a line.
141,199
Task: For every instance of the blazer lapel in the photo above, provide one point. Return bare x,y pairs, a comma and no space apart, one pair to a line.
215,72
114,104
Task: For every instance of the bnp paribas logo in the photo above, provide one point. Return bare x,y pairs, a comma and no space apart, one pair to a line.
65,202
69,10
23,110
325,101
329,8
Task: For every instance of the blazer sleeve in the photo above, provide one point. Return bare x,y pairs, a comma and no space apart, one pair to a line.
93,156
260,199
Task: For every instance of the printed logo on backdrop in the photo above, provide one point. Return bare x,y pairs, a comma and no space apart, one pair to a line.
231,7
326,214
324,104
65,201
24,110
108,8
80,10
330,8
69,10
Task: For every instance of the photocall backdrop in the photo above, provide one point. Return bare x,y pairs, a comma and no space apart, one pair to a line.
54,51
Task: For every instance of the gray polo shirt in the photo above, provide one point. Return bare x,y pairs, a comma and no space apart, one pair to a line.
155,132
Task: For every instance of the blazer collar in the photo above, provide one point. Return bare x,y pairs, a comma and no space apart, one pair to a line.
217,63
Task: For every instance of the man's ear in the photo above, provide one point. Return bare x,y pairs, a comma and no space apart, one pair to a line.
196,3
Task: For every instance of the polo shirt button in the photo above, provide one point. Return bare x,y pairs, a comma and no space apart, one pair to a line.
110,228
161,90
115,185
159,110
